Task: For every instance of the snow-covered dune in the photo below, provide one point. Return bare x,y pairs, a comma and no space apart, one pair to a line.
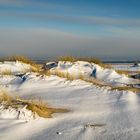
93,70
14,67
95,112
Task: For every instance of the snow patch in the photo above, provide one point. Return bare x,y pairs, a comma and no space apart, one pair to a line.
14,67
90,69
8,112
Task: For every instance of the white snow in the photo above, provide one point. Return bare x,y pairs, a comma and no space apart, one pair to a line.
94,70
126,66
7,112
95,113
14,67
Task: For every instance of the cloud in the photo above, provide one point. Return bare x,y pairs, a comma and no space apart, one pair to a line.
132,32
44,42
38,42
110,21
87,20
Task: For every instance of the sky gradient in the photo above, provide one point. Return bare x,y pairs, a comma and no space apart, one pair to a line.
107,29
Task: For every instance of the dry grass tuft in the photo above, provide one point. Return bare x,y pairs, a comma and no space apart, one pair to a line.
69,76
67,58
6,72
72,77
121,88
17,58
63,74
45,73
36,106
42,109
123,72
35,67
5,97
126,88
73,59
94,81
105,66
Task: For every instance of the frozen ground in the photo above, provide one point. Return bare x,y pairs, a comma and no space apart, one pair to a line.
96,113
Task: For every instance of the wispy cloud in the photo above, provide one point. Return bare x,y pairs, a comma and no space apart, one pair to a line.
112,34
41,42
67,18
110,21
90,20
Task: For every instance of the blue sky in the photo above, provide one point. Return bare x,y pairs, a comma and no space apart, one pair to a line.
108,29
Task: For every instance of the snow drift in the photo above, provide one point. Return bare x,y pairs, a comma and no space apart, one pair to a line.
7,112
14,67
87,69
96,112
